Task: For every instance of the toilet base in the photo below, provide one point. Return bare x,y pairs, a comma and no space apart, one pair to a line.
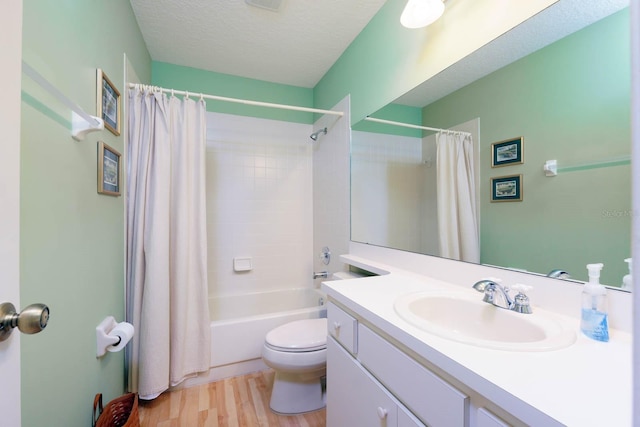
295,394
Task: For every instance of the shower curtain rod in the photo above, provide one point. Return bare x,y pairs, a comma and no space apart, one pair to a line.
406,125
242,101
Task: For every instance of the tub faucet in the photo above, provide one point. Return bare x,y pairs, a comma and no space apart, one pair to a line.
320,274
496,294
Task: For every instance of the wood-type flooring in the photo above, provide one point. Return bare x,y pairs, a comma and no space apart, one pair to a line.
234,402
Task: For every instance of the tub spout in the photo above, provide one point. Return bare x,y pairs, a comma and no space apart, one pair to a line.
320,274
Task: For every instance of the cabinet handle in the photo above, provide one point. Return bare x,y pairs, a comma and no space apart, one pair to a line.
336,326
382,413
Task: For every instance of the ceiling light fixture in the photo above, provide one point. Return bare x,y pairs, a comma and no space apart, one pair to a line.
420,13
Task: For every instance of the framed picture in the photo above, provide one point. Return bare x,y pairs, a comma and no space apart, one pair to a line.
108,170
506,188
507,152
108,99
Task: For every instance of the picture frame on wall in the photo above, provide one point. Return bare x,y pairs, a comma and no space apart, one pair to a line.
506,188
108,98
508,152
108,170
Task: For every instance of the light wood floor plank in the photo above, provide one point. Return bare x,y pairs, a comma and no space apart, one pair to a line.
258,404
174,404
220,404
233,402
246,409
211,418
203,398
230,401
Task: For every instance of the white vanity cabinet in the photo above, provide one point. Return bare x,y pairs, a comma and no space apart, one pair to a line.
371,382
356,399
429,397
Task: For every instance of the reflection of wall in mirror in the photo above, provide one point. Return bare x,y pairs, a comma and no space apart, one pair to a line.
387,176
393,183
571,102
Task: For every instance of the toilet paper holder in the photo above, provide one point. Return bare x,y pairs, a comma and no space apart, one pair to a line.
105,340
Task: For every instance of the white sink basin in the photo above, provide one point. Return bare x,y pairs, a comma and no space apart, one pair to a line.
465,318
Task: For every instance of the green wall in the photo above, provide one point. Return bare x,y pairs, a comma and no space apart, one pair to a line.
387,60
373,68
208,82
72,239
397,113
571,102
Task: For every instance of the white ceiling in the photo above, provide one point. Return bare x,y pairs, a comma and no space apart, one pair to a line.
296,45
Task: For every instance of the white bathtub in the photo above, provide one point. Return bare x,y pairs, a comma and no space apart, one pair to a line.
239,323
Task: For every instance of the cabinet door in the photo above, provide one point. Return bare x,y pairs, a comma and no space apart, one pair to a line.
354,398
487,419
343,327
407,419
433,400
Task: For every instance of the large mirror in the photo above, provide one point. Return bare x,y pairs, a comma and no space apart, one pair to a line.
566,100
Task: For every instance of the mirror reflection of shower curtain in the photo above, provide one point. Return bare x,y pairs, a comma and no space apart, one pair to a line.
167,290
456,194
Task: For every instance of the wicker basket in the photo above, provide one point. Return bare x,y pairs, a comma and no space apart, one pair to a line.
120,412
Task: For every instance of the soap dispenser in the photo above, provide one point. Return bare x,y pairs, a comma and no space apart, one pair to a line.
627,282
594,323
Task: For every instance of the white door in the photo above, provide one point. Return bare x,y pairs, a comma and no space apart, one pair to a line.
10,77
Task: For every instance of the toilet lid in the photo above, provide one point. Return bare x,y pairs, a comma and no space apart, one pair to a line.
299,335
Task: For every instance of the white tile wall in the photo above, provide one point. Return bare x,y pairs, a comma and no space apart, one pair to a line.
259,203
331,188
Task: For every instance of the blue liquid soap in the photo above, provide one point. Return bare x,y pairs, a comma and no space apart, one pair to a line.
594,324
594,319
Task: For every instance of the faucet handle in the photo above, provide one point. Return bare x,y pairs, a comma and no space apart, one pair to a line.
521,301
521,288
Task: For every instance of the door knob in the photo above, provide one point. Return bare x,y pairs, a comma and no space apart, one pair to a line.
31,320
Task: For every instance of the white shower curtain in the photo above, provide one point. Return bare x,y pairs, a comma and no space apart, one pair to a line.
166,241
456,189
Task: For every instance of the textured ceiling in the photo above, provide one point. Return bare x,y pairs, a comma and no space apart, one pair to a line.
296,45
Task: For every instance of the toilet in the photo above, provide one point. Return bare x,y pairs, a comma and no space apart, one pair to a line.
297,351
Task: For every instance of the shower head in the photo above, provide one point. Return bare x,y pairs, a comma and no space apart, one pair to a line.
314,136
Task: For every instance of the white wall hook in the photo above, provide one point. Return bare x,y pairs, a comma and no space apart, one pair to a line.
550,168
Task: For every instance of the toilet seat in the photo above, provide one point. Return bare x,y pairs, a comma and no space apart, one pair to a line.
299,336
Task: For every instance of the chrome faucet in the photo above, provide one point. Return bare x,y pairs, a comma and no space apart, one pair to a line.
496,294
559,274
320,275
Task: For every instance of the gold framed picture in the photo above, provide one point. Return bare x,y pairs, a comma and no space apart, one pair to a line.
108,98
108,170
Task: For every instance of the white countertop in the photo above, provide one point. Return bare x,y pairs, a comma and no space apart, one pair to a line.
586,384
